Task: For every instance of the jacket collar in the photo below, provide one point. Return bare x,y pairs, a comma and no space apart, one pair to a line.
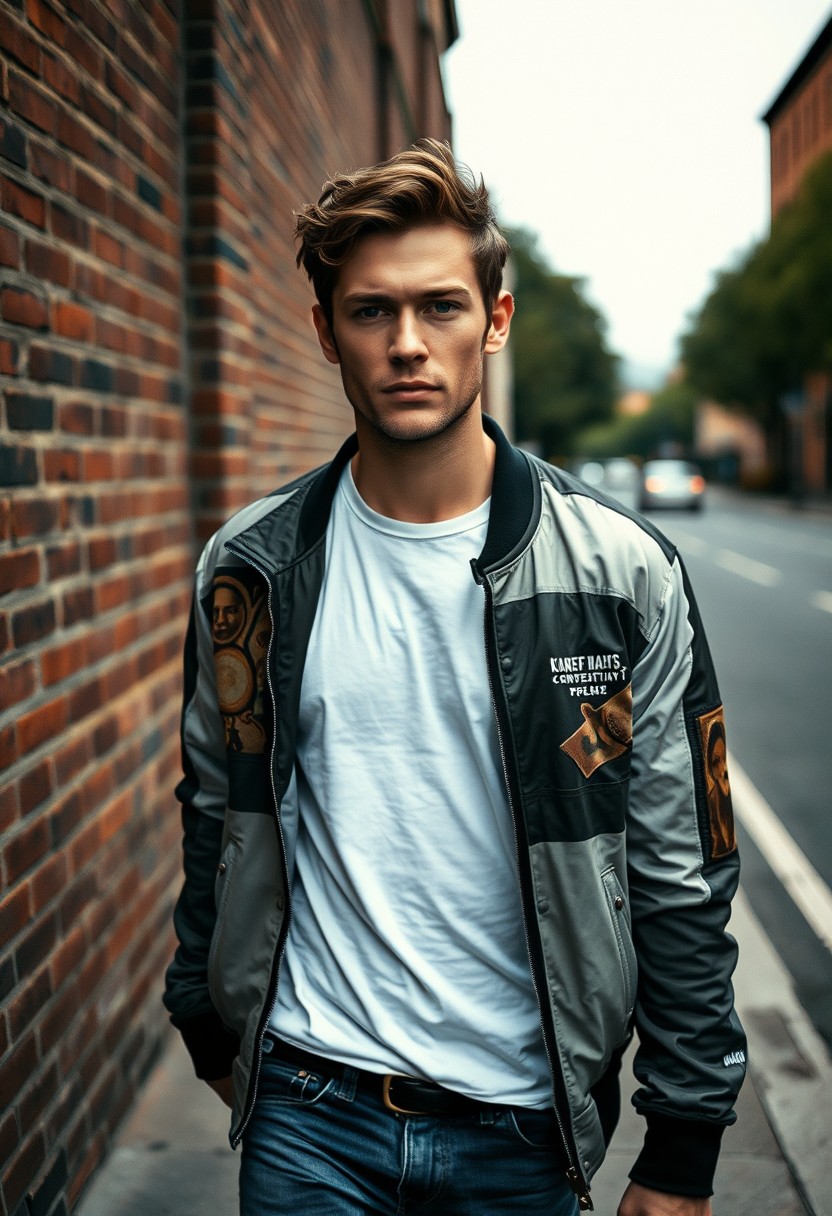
515,507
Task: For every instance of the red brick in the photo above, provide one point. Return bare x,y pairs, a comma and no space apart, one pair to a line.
62,465
46,262
19,44
17,682
19,569
50,166
98,466
107,247
70,758
44,18
33,622
67,957
8,357
91,193
72,321
78,605
15,911
35,516
77,418
34,787
23,308
8,745
75,136
31,103
42,723
63,560
16,200
25,1007
25,848
63,661
48,882
9,247
60,76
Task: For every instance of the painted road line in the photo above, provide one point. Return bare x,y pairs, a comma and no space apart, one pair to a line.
790,864
822,600
691,544
747,567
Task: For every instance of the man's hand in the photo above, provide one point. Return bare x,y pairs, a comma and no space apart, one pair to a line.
222,1088
639,1201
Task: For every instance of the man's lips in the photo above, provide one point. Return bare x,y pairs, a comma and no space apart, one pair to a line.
410,388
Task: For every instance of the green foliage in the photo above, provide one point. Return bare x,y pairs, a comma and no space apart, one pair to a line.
768,320
564,374
666,423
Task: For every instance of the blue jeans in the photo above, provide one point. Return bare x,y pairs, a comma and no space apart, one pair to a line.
321,1146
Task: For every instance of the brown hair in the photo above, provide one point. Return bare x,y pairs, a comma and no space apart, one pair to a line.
421,185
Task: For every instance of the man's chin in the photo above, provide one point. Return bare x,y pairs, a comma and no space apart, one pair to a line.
416,426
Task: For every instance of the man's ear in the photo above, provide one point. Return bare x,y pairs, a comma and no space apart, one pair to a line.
325,335
501,314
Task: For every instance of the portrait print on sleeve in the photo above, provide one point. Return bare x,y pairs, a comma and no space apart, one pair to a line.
606,732
240,629
717,785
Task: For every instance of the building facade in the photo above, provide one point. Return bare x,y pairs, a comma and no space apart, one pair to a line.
158,369
800,130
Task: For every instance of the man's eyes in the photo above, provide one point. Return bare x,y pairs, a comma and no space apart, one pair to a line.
441,308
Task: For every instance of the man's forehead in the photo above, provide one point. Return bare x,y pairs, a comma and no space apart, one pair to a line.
430,257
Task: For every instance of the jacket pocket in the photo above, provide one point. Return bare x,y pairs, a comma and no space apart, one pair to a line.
619,912
222,888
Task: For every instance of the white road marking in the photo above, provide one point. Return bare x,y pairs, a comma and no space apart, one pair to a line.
822,600
791,865
690,544
747,567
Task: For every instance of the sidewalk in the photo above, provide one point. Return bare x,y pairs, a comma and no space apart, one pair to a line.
172,1157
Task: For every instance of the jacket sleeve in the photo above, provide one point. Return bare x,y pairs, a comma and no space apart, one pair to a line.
683,870
203,794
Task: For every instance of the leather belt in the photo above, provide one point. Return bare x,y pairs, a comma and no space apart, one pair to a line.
400,1094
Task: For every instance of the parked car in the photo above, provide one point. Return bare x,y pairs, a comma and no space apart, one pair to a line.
617,476
672,483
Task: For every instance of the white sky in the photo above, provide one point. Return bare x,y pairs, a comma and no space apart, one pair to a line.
626,133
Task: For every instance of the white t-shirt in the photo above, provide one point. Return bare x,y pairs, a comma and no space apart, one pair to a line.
406,951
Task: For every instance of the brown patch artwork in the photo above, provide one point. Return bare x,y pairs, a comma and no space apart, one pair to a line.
240,628
717,785
605,734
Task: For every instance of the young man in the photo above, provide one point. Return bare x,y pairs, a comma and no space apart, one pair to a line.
447,832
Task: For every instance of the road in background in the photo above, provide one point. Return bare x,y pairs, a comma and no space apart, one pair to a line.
762,576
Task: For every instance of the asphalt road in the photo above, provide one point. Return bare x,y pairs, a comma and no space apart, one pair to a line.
762,575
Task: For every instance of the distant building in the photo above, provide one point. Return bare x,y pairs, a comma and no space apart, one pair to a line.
800,129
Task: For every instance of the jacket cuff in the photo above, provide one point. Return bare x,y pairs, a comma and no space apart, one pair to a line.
679,1156
213,1048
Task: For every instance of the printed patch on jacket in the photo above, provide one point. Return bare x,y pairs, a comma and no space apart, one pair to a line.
717,785
240,628
605,734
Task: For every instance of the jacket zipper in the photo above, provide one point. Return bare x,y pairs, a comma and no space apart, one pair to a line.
574,1176
257,1060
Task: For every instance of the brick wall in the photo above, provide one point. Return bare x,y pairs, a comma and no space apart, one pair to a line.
157,369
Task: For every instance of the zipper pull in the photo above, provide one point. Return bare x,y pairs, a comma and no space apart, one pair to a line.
478,576
577,1184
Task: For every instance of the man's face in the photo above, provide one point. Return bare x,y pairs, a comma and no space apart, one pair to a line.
410,330
227,615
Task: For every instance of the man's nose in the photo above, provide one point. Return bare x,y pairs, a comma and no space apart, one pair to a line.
407,343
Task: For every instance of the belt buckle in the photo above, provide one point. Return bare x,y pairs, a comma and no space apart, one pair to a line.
386,1082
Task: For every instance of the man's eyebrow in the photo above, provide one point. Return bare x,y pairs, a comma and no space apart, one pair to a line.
432,293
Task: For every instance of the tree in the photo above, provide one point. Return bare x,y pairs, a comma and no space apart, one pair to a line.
667,423
564,374
768,320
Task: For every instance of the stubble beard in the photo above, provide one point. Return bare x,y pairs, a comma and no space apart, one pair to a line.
415,423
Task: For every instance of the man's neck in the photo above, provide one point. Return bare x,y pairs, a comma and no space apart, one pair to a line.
424,482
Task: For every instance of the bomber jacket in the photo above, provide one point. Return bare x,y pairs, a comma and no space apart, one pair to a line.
607,708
